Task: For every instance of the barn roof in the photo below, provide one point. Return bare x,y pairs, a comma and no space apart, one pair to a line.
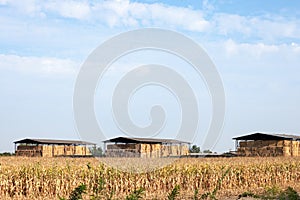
51,141
267,136
143,140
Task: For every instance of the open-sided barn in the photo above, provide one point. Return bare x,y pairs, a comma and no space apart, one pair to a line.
52,148
265,144
145,147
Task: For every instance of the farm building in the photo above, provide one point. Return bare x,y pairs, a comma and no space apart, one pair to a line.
52,148
145,147
264,144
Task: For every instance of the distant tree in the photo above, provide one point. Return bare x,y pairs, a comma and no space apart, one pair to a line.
195,149
7,154
97,152
207,151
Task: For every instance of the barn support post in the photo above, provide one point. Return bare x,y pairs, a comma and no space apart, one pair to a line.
39,150
74,149
94,147
292,148
104,148
250,148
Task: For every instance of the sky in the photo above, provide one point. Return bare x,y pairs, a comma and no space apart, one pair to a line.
255,46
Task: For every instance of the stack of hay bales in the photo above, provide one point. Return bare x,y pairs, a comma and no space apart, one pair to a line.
80,151
295,148
174,150
166,150
29,151
39,150
58,150
122,150
64,150
185,150
47,151
150,150
269,148
292,148
145,150
156,150
69,150
287,148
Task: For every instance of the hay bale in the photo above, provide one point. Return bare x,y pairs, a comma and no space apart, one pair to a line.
250,143
280,143
286,151
287,143
243,144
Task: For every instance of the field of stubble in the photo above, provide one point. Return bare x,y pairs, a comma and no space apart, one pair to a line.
52,178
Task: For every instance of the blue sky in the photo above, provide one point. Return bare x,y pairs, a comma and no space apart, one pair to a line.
255,46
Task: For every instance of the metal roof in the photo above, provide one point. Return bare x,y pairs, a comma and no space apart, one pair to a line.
51,141
143,140
267,136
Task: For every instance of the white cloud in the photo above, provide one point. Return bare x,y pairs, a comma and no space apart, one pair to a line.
230,23
267,28
257,69
29,7
126,13
40,65
257,50
296,47
70,9
247,59
4,2
116,13
277,27
259,66
134,14
207,6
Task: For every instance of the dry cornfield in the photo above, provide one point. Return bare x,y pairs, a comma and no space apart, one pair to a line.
51,178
